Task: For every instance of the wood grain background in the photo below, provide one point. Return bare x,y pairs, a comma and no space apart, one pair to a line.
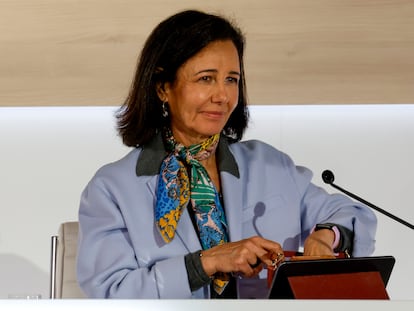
69,52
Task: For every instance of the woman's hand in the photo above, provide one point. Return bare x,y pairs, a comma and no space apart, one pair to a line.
243,257
319,243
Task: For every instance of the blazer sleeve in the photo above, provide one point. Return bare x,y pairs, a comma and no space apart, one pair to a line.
318,206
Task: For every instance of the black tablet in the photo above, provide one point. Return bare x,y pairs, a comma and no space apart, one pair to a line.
281,289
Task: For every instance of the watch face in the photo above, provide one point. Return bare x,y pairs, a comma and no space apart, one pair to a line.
324,226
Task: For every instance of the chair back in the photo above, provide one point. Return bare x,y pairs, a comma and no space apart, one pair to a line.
63,281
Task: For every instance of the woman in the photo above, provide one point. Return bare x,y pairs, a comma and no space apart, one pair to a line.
192,212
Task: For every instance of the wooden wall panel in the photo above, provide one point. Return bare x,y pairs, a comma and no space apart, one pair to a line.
71,52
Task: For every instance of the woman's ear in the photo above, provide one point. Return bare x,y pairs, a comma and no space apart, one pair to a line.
162,95
160,86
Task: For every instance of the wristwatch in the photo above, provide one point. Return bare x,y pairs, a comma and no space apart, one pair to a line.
325,226
335,230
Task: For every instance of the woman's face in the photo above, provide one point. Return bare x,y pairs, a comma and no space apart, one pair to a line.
205,93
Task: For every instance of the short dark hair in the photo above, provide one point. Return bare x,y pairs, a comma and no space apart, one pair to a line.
169,46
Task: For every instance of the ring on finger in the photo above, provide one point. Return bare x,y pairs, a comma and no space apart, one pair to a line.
278,259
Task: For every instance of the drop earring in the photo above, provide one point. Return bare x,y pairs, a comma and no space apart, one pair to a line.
164,109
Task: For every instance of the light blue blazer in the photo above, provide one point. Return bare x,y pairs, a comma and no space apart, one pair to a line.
121,254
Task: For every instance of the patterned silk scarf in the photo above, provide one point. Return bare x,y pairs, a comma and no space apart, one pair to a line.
176,189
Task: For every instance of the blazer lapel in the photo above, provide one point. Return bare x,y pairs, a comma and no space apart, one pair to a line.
186,232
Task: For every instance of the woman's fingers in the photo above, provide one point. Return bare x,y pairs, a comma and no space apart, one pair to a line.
243,257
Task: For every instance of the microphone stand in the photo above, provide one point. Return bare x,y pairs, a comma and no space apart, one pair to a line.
328,178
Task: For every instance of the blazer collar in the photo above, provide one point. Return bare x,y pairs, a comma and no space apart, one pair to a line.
153,153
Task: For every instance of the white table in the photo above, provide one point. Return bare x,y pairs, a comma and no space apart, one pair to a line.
204,305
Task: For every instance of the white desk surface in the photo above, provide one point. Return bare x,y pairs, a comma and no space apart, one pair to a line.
204,305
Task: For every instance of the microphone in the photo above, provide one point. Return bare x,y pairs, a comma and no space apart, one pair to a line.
329,178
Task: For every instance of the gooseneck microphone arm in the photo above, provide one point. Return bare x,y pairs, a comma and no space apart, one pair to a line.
328,178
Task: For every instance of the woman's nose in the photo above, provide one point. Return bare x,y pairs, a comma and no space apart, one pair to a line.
220,94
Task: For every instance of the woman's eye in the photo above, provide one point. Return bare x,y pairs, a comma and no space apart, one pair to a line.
205,78
233,80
